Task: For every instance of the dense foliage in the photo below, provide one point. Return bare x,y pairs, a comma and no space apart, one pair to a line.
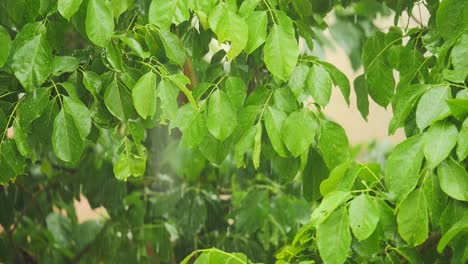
191,148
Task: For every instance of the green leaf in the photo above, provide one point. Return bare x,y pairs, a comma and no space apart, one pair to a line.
167,93
257,25
413,223
99,23
334,248
298,80
230,27
364,215
451,18
379,75
329,203
119,101
299,131
333,144
402,167
222,117
212,149
362,96
462,142
339,79
194,126
460,51
32,62
403,103
120,6
144,95
163,13
254,208
257,146
67,141
314,173
285,100
32,106
79,113
436,199
439,140
67,8
339,179
236,90
281,52
20,136
173,47
134,45
114,56
274,120
319,83
92,82
129,164
244,145
6,46
432,106
63,64
456,229
12,163
247,7
453,179
458,107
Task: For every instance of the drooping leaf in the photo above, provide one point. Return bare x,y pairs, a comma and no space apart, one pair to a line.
314,173
129,164
319,83
281,52
432,106
333,144
244,145
364,215
167,93
274,120
63,64
99,22
436,199
439,141
6,45
257,146
339,79
192,124
67,8
236,90
453,179
328,205
230,27
92,82
413,222
134,45
334,248
402,167
340,179
80,114
460,51
298,80
12,163
299,131
173,47
458,227
379,75
144,95
451,18
257,25
67,141
119,101
403,103
222,117
458,107
362,96
32,106
462,141
163,13
32,62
